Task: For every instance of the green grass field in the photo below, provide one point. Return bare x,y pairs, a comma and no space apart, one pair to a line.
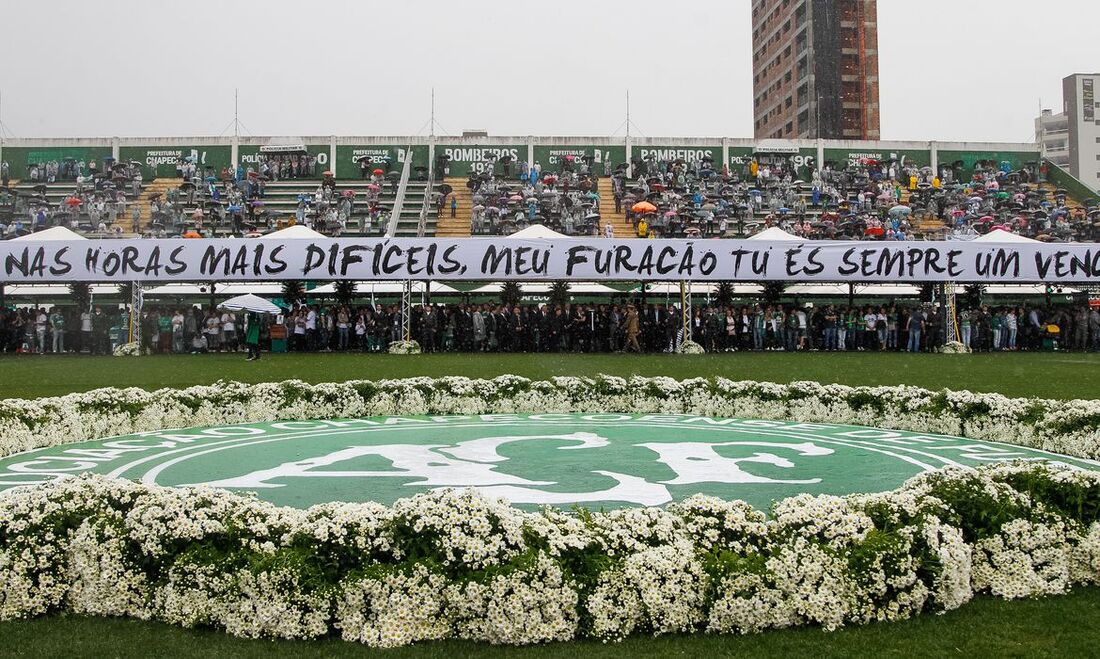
1062,375
1063,627
1054,627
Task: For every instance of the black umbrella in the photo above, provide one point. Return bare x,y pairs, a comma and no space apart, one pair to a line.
445,189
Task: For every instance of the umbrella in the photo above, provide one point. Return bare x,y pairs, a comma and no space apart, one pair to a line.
373,187
446,189
516,198
393,176
643,207
73,201
250,302
349,193
192,234
377,172
327,172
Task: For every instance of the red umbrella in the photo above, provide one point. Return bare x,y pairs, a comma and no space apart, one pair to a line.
327,172
378,172
73,201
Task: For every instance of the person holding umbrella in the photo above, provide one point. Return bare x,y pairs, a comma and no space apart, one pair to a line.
252,336
255,306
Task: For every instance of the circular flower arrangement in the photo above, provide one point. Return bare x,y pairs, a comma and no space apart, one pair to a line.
690,348
132,349
454,564
404,348
954,348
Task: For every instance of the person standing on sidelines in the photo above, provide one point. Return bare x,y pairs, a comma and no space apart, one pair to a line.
252,337
915,325
57,326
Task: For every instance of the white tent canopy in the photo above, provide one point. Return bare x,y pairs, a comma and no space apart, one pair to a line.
179,289
55,290
775,233
383,288
576,288
1002,236
255,288
53,233
537,231
296,232
249,302
697,288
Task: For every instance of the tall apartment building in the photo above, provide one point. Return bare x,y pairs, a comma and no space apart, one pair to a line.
815,69
1082,109
1052,136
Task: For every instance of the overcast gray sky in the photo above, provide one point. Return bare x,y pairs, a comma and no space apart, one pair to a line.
951,70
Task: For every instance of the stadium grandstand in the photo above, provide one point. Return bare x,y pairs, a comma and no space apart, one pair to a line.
576,186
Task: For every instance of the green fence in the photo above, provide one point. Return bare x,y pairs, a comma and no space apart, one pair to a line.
604,158
847,157
1063,179
250,155
969,159
161,160
462,160
387,157
19,158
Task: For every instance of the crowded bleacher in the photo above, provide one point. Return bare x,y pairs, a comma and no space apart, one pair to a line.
859,199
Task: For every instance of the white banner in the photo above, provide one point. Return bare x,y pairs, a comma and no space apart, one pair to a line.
494,259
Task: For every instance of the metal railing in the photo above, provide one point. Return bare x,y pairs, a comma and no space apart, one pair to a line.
426,204
399,200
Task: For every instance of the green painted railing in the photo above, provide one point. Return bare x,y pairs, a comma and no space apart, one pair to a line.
1063,179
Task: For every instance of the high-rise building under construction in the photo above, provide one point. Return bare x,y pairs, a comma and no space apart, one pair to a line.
815,69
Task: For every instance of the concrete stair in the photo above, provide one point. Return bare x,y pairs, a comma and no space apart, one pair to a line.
160,186
459,226
1048,192
623,228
